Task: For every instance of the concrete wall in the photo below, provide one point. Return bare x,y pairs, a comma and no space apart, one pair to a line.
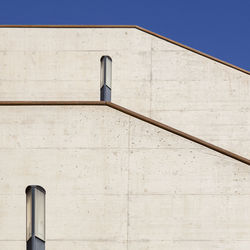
115,182
151,76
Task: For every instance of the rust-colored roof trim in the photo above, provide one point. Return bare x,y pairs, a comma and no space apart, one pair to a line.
195,51
67,26
131,26
50,103
131,113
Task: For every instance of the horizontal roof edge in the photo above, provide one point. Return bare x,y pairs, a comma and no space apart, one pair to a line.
50,103
136,27
134,114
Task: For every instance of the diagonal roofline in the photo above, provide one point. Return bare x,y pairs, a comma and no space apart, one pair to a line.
136,27
134,114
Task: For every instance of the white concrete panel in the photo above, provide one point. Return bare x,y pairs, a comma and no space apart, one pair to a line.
200,96
89,217
162,45
170,65
226,129
67,127
85,245
12,66
134,95
49,90
86,187
69,55
186,65
12,216
27,65
12,245
189,217
178,191
194,245
89,171
78,65
143,136
131,66
163,163
199,120
186,171
74,39
191,95
68,216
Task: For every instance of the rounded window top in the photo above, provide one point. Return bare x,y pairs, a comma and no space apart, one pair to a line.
106,57
28,188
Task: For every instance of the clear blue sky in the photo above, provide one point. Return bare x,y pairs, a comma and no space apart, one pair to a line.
220,28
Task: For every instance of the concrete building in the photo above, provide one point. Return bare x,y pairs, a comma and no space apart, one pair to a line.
165,165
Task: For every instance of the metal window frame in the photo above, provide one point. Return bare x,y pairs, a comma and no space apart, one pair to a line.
105,90
34,242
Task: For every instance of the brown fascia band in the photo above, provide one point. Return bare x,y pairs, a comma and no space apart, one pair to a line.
131,113
135,27
50,103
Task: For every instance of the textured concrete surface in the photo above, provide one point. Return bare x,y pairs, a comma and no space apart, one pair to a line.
151,76
115,182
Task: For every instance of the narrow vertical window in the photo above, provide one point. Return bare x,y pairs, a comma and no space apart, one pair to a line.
35,217
106,78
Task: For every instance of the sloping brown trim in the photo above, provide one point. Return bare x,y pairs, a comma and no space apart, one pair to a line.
131,113
131,26
195,51
178,132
